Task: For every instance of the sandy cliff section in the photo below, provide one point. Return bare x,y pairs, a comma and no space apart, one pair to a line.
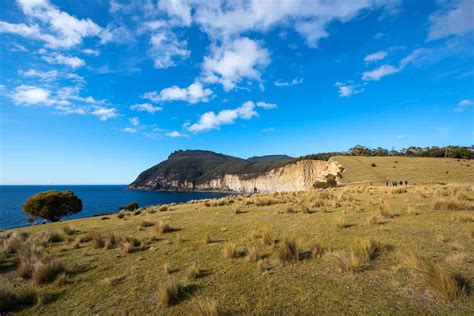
296,176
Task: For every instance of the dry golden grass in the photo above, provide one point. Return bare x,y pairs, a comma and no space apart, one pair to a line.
452,205
204,307
47,272
231,251
12,300
170,292
288,251
441,282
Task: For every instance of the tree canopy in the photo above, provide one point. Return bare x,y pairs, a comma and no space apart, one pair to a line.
52,205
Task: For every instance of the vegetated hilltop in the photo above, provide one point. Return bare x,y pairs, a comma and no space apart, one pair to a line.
358,250
206,170
186,169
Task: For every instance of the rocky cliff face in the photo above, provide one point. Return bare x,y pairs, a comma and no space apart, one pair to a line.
295,176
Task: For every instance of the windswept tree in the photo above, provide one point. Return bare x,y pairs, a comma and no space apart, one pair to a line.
52,205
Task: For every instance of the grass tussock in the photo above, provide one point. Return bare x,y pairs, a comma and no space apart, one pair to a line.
121,214
12,300
452,205
373,220
194,272
204,307
361,253
231,251
163,228
170,292
441,282
252,255
97,240
68,230
129,244
288,251
317,250
47,272
146,223
341,223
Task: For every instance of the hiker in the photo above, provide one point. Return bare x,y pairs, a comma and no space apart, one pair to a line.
386,183
401,183
254,189
406,183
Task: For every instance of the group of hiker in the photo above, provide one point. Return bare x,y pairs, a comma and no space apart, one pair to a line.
397,183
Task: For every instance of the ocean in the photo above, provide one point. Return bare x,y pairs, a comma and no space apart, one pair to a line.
96,199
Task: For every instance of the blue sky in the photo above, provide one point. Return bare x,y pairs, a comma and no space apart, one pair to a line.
93,92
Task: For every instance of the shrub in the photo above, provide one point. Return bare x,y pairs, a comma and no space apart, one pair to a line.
121,214
129,244
97,239
132,206
443,284
113,241
288,251
330,182
13,300
47,272
163,208
373,165
52,205
204,307
170,292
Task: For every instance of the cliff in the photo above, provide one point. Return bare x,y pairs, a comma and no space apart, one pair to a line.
208,171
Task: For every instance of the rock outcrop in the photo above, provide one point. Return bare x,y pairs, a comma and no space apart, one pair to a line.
233,174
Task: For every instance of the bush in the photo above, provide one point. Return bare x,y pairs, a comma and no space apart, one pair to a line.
132,206
121,214
373,165
53,205
330,182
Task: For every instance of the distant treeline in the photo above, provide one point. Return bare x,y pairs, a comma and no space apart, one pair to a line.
459,152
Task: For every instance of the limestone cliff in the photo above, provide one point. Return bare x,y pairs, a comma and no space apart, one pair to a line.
208,171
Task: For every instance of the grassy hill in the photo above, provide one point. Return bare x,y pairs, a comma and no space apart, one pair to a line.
347,250
413,169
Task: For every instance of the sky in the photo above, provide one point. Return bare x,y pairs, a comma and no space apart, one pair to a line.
94,92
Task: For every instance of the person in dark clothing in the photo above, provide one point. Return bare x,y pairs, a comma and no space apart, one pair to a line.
401,183
254,189
386,183
406,183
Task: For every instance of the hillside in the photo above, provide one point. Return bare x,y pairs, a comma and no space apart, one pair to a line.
361,250
416,170
183,170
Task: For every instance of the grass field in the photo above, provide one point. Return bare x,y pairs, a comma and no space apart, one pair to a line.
348,250
414,170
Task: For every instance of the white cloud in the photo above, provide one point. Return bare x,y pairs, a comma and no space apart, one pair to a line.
234,61
58,28
104,113
134,121
266,106
130,130
192,94
73,62
91,52
375,56
177,9
347,89
31,95
146,107
175,134
293,82
166,48
463,105
458,19
210,120
385,70
44,75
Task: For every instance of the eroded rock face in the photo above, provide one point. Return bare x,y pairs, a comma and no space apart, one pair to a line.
297,176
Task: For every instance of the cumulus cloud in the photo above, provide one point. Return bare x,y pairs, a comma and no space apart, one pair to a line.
58,29
375,56
455,20
175,134
294,82
235,61
146,107
166,48
91,52
463,105
346,89
70,61
104,113
179,10
31,95
194,93
376,74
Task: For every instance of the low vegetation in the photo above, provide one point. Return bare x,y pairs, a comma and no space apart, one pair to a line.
353,245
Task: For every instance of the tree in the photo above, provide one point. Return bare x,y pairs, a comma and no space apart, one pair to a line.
52,205
132,206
